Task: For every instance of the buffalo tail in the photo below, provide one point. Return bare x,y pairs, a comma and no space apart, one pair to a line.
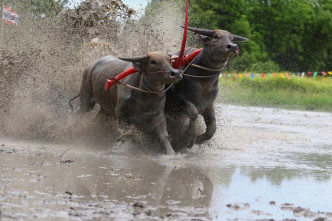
70,104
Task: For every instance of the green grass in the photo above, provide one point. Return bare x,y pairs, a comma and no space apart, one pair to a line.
296,93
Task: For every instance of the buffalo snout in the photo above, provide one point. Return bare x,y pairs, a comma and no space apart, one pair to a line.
175,75
232,47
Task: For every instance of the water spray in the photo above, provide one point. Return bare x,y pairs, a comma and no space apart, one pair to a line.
178,62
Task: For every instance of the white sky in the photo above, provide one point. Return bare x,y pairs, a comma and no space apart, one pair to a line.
138,5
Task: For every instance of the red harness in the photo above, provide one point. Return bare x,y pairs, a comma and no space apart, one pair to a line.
111,81
178,61
181,62
188,58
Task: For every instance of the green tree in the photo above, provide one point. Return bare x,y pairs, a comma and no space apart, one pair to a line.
294,34
39,8
291,32
46,8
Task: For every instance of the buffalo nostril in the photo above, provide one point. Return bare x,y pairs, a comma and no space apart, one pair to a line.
175,73
232,47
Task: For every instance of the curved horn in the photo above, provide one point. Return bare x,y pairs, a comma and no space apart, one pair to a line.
205,32
135,59
239,38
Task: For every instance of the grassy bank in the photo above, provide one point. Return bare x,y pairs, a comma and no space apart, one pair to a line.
296,93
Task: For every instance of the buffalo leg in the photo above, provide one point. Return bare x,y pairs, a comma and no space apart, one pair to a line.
86,104
190,134
182,125
102,117
211,125
158,134
178,128
86,94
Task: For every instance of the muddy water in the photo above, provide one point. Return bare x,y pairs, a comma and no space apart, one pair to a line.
261,164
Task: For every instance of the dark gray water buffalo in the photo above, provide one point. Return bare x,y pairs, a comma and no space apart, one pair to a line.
196,93
144,107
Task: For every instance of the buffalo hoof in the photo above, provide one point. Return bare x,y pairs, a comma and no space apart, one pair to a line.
191,144
200,139
170,151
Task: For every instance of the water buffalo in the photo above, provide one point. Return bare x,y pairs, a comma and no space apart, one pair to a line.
196,93
144,107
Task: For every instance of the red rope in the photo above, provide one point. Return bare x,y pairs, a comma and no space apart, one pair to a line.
188,58
112,80
178,62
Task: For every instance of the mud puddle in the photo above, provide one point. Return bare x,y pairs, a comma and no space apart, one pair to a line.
262,164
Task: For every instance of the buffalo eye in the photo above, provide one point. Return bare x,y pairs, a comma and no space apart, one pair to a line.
215,36
153,62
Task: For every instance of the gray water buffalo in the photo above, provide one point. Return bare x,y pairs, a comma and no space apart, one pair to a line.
196,93
143,107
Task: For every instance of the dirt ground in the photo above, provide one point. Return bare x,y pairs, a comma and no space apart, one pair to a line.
262,164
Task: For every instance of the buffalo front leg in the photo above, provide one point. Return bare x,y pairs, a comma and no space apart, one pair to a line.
164,141
190,134
211,125
157,133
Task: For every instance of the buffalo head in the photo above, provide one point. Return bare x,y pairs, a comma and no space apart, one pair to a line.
219,44
156,68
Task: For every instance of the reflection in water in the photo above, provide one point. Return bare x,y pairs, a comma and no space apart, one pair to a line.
43,184
278,175
253,197
188,187
67,185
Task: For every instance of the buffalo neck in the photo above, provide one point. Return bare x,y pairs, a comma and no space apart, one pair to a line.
145,84
149,102
208,60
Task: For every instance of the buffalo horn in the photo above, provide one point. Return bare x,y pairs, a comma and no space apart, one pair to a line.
239,38
205,32
135,59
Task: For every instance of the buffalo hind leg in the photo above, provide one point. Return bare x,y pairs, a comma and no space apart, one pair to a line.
86,98
102,117
211,125
87,103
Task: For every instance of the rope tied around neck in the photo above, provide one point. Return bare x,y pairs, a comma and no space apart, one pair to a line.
149,91
200,67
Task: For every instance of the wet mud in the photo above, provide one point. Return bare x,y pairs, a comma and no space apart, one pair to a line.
262,164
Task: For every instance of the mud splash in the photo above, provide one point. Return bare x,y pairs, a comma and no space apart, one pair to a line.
42,62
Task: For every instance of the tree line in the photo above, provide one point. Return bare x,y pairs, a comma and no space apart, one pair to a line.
292,35
285,35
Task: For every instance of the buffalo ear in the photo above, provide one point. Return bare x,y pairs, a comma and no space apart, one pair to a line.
202,38
138,62
239,38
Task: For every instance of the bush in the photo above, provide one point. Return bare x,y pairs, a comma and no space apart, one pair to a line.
298,93
241,63
265,67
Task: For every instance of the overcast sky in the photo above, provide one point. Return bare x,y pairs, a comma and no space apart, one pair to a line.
138,5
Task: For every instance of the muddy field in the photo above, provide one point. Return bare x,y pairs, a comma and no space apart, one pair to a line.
262,164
